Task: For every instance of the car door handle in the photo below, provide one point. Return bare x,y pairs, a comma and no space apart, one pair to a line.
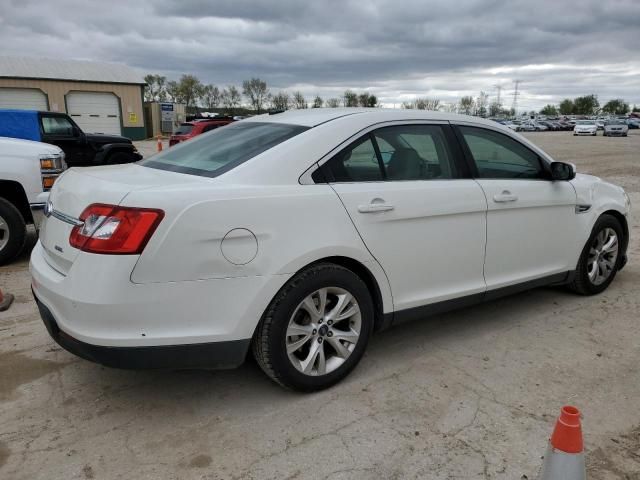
505,197
374,207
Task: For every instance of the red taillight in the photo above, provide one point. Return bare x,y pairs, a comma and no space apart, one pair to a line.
110,229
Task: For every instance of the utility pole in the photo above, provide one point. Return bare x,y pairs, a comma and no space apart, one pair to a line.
514,106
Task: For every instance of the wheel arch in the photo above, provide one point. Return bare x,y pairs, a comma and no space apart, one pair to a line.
367,276
13,192
623,222
380,291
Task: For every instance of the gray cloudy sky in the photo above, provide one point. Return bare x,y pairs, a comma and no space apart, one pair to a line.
396,49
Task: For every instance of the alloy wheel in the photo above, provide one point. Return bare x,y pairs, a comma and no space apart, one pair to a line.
323,331
4,233
603,256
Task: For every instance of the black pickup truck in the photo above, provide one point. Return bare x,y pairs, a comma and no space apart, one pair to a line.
80,149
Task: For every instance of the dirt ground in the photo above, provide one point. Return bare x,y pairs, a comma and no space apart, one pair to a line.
469,394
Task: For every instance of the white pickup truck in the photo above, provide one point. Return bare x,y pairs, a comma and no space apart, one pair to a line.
27,172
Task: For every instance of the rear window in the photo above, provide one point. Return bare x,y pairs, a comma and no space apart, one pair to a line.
223,149
184,129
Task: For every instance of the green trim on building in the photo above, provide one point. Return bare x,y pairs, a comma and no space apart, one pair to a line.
134,133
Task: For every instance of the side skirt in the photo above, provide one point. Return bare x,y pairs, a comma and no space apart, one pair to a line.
475,299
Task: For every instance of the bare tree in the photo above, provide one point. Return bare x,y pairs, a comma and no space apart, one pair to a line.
367,100
467,105
317,102
450,107
257,92
174,92
190,89
231,98
423,103
211,96
154,90
494,109
350,99
332,103
299,100
481,104
280,101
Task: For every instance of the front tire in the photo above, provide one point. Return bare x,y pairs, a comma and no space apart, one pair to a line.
316,329
13,231
601,257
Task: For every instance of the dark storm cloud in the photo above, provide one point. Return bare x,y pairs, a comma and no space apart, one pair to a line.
397,49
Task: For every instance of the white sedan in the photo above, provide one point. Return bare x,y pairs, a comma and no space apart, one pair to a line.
297,235
585,127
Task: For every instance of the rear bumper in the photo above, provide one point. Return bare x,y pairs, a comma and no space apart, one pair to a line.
229,354
96,312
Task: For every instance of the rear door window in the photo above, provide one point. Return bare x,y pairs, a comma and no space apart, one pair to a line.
404,152
356,163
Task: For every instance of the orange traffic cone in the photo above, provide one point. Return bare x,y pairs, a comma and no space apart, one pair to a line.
5,301
564,459
159,143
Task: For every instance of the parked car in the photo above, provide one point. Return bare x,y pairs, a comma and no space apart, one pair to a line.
297,235
81,149
585,127
512,126
600,124
633,124
188,130
615,128
550,125
27,170
534,126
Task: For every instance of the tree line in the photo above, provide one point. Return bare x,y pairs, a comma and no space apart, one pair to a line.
588,105
256,94
194,94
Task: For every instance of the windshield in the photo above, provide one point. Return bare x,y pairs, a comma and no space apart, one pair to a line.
614,122
585,122
184,129
222,149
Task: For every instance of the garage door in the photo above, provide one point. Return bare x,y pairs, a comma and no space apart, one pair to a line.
23,99
95,112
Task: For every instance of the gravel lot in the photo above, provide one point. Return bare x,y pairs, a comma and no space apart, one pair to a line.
470,394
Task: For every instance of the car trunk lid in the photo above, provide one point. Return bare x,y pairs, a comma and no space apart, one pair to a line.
79,188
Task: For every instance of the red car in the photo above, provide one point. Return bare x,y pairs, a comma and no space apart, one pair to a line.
194,128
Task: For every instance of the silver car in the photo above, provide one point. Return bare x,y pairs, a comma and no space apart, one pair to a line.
615,128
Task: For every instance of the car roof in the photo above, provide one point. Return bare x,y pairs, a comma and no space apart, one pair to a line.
311,117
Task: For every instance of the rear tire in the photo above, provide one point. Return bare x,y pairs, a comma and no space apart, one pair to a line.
316,329
585,283
13,231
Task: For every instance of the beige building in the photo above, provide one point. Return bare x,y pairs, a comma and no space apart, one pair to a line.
100,97
162,118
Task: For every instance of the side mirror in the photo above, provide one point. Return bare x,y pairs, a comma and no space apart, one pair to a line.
76,131
563,171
